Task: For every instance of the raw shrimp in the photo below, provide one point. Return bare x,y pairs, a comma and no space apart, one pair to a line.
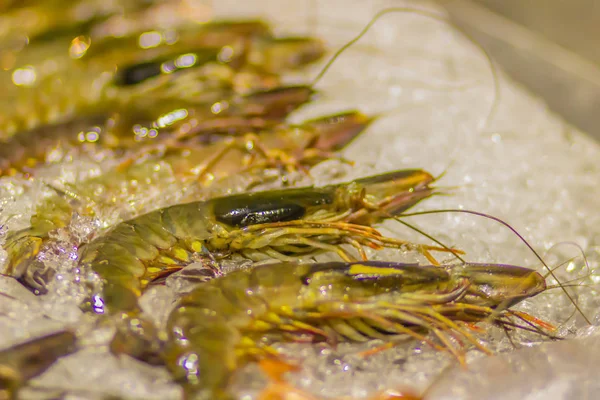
213,58
223,324
298,146
44,20
150,122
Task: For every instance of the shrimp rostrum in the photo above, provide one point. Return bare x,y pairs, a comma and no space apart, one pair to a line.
223,324
280,224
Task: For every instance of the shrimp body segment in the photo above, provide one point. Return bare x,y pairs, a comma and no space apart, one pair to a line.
223,324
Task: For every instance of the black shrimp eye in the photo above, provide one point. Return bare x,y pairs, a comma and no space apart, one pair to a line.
138,73
259,214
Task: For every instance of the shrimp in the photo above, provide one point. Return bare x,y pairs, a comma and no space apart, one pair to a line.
287,147
264,53
280,224
146,121
91,57
161,42
25,361
47,19
298,146
223,324
267,54
191,89
245,47
266,57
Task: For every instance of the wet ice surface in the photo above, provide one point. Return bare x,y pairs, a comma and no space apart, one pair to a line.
526,166
565,370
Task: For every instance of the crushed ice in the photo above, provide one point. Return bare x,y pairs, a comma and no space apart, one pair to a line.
526,167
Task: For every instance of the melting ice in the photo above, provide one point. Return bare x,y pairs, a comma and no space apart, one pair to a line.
524,165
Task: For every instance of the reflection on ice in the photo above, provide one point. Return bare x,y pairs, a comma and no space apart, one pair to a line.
562,370
528,168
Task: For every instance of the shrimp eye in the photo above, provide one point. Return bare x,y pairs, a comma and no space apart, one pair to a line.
138,73
259,214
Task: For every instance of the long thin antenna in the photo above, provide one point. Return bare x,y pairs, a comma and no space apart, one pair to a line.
410,10
551,272
428,236
570,243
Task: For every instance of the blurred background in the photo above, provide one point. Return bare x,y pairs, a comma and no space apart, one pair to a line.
552,47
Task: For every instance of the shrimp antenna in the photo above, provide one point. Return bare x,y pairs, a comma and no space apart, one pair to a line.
445,171
428,236
570,283
64,193
8,296
585,260
550,271
423,233
560,265
433,16
420,231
